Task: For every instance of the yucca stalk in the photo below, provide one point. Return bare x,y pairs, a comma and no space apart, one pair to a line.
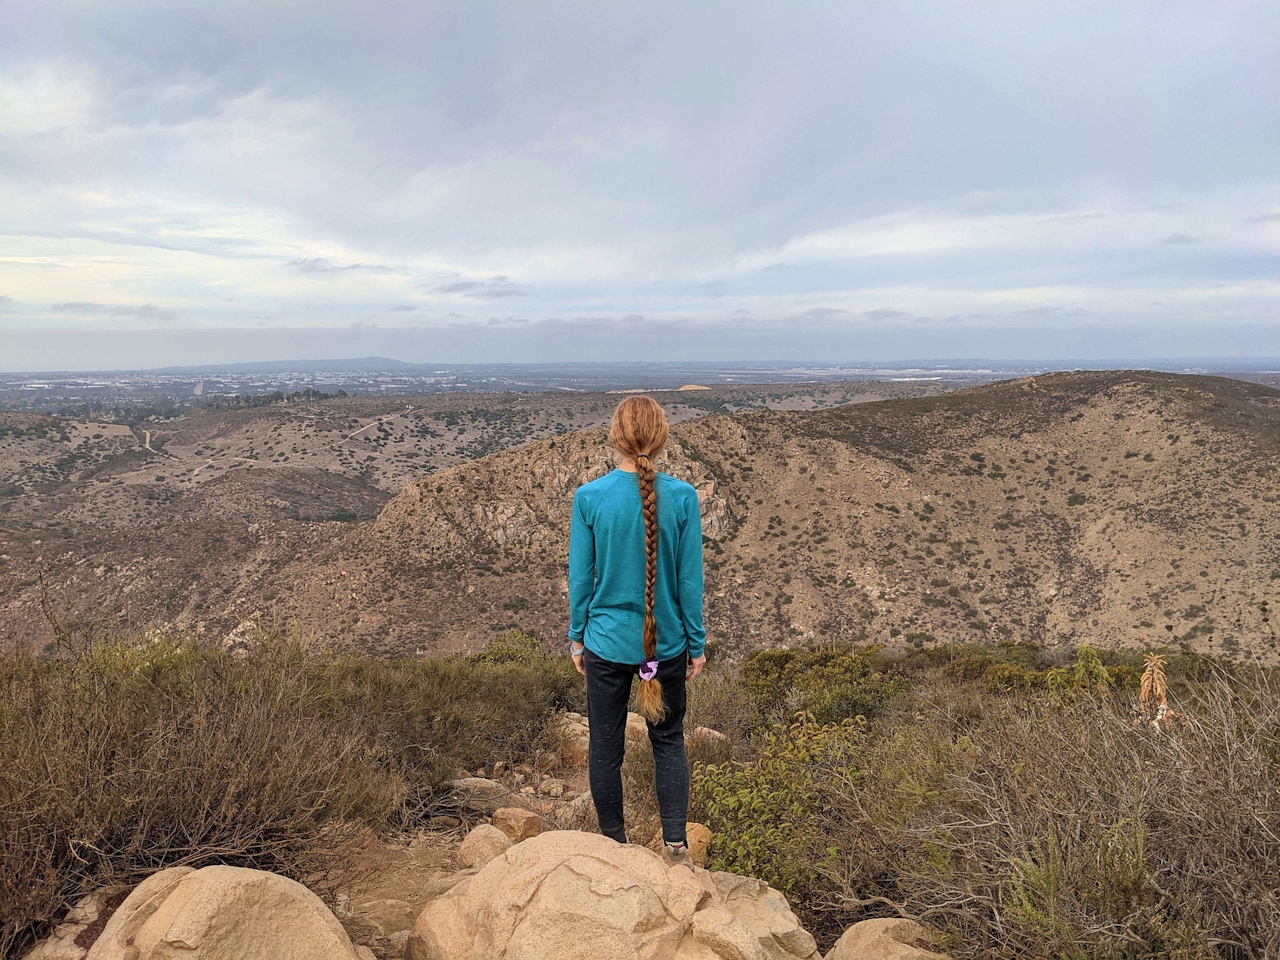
1153,692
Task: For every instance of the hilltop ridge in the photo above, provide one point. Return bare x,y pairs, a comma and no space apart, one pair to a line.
134,520
1116,508
1113,508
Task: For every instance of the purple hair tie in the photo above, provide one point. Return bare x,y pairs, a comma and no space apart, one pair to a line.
649,670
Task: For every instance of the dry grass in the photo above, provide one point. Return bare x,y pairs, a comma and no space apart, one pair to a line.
1051,820
129,757
1029,829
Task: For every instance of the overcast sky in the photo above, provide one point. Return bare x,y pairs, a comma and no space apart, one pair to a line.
184,183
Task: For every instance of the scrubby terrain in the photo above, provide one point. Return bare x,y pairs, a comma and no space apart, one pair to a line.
929,687
1119,509
191,520
1116,508
1024,802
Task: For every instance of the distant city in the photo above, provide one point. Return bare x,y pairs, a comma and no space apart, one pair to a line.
178,388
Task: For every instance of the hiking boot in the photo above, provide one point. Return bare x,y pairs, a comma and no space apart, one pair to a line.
674,854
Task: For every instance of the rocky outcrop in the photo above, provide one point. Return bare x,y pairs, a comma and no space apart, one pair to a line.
483,795
637,729
568,895
481,845
222,912
82,925
708,734
517,823
886,939
518,503
574,736
698,838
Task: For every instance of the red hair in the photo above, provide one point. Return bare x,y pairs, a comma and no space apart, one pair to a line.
639,430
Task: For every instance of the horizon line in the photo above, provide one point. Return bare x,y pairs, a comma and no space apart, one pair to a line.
1109,363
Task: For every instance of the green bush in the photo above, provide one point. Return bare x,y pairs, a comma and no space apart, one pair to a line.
763,813
829,683
1005,677
970,667
515,646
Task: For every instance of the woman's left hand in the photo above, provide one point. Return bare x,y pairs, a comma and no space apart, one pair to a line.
695,667
579,661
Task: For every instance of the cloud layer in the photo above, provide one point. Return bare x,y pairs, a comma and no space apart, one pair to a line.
480,177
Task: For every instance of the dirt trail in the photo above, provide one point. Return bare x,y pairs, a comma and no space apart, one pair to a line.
355,433
394,883
146,443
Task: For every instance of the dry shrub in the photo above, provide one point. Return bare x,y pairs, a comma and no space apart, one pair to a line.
135,758
1068,831
717,699
639,793
436,716
124,758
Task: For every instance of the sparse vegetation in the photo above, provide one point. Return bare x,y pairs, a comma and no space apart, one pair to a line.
861,782
1044,796
131,756
1045,819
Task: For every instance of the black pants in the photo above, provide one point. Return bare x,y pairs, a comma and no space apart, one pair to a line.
608,689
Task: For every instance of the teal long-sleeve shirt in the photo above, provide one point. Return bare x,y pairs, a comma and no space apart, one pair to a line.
607,569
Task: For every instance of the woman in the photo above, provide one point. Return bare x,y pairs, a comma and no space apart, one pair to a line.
635,607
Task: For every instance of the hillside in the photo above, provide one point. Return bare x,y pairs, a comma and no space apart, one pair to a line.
194,520
1115,508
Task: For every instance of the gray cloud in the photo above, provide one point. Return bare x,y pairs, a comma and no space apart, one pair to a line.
7,304
147,311
1049,311
325,265
495,293
495,288
403,308
661,160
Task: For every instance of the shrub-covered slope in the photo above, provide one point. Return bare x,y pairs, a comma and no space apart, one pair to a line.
1116,508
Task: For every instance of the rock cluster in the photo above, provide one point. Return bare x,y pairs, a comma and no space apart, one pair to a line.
566,895
222,912
558,896
517,823
885,939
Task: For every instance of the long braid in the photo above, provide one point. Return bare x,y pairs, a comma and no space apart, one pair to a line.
639,431
650,694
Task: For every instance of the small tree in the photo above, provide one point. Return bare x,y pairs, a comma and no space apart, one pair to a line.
1090,673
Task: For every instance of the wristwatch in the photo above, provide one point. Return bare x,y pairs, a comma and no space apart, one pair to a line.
579,652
